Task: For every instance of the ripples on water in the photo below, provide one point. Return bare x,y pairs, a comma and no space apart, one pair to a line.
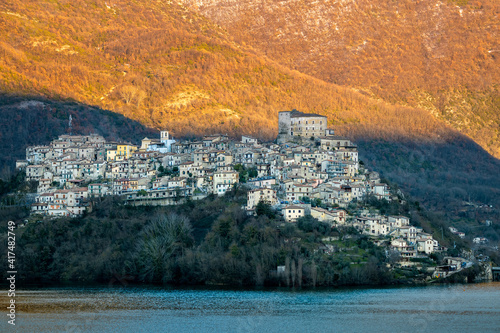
457,308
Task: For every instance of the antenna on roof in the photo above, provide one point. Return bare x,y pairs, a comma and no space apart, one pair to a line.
69,124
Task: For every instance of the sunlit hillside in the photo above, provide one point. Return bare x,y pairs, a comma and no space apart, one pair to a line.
169,67
442,56
160,64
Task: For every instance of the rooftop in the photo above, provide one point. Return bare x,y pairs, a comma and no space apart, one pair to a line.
297,114
293,207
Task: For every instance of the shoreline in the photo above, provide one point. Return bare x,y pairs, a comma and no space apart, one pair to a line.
138,286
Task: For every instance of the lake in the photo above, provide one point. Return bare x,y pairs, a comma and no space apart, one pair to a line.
440,308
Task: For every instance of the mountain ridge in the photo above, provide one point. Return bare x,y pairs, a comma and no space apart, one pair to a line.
178,80
167,67
440,56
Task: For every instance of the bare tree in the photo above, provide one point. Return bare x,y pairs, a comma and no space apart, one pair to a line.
287,271
139,97
314,273
128,93
259,276
299,271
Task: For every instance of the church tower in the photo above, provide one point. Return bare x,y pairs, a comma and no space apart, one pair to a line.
167,140
164,136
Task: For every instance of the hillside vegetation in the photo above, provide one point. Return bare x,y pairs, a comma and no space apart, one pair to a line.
442,56
165,66
168,67
212,241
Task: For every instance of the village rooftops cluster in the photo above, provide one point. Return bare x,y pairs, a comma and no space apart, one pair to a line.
293,176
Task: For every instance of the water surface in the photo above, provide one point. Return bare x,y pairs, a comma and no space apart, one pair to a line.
455,308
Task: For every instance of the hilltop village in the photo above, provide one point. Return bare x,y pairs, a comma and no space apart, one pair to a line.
308,171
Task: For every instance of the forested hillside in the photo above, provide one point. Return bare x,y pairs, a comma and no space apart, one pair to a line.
211,241
166,66
443,56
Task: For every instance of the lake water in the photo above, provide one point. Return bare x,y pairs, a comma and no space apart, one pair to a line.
455,308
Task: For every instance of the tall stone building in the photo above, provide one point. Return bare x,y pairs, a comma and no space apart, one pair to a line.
298,124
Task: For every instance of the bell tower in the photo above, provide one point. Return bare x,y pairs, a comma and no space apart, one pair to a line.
164,136
167,140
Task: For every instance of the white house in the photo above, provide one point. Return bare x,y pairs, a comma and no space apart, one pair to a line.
293,213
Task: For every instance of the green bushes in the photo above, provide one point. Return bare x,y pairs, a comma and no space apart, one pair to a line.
159,243
310,224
